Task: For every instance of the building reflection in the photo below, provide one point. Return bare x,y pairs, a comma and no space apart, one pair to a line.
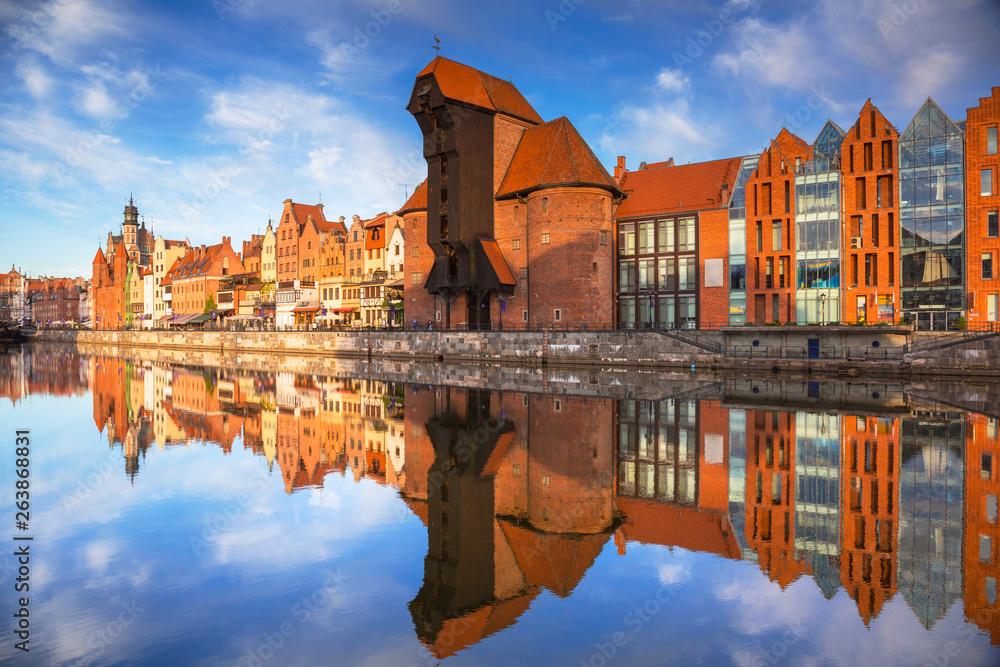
858,487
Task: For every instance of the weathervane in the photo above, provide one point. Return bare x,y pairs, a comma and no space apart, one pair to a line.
406,196
437,45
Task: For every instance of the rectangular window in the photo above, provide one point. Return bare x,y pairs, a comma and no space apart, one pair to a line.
545,238
776,308
776,235
788,196
647,273
626,240
854,270
523,273
781,272
524,318
756,272
985,549
416,278
987,266
851,157
626,275
991,140
859,193
992,224
892,270
856,226
760,236
604,239
992,306
686,273
884,192
685,234
887,154
868,156
875,230
666,274
516,244
557,316
986,182
871,270
768,273
891,231
644,239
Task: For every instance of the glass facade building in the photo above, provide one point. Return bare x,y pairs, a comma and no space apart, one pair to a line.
738,243
817,230
932,220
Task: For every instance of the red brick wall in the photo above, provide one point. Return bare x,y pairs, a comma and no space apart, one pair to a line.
419,303
713,475
286,243
981,440
713,243
573,272
987,114
865,132
776,167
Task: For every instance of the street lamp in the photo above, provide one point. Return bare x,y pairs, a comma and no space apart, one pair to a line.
822,308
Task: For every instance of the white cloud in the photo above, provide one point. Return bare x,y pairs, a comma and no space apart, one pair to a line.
926,72
657,132
672,80
35,79
59,28
95,101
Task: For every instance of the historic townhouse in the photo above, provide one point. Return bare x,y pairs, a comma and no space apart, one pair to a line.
770,238
12,294
300,231
983,210
511,200
56,301
672,244
871,219
165,253
196,276
268,256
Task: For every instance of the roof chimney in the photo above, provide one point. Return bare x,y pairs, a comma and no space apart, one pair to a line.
642,165
620,169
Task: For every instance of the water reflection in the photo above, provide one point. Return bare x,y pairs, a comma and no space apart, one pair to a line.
861,489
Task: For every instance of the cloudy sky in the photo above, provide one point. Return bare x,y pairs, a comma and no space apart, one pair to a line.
212,112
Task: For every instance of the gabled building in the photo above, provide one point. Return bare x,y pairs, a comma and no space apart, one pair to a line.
165,254
770,236
932,220
419,303
871,219
196,276
983,210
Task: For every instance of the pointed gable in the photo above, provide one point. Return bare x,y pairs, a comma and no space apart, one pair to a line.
464,84
99,257
930,121
550,155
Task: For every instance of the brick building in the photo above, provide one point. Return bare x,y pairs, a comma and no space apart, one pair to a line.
673,243
982,541
57,301
195,277
298,239
982,210
420,304
870,237
770,236
509,195
109,289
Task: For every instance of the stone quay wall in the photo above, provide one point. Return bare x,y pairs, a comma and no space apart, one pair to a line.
583,349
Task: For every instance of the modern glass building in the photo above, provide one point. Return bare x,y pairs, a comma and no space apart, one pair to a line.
738,243
932,220
817,229
817,497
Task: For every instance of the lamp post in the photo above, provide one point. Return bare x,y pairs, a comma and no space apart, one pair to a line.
822,308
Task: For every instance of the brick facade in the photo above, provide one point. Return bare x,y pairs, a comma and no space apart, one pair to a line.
770,197
982,211
869,269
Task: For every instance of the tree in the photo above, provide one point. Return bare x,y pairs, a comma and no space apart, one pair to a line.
210,304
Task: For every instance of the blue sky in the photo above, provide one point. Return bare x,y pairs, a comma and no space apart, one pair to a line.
212,113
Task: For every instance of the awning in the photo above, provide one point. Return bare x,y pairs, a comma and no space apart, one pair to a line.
183,319
341,310
198,319
305,309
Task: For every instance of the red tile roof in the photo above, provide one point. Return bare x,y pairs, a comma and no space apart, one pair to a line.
553,154
417,201
372,227
498,262
98,258
686,187
462,83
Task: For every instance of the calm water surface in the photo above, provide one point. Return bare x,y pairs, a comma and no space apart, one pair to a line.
205,516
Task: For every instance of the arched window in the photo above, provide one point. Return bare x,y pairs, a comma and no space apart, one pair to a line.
545,204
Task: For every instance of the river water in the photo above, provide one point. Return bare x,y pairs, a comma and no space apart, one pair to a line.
223,516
